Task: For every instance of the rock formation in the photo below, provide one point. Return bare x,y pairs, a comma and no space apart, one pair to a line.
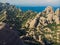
57,16
48,17
49,9
33,22
43,23
41,28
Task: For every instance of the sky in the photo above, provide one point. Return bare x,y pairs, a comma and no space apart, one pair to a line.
33,2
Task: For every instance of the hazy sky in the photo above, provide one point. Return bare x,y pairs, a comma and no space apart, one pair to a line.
33,2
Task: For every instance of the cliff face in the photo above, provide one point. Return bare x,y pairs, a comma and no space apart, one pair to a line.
47,24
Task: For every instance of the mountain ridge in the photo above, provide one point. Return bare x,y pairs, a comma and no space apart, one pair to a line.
34,28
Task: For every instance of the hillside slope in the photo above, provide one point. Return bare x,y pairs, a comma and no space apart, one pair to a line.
34,28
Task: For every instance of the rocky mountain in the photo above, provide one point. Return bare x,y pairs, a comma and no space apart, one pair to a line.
34,28
46,24
48,16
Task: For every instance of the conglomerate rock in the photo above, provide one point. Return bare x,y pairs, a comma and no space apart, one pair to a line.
43,24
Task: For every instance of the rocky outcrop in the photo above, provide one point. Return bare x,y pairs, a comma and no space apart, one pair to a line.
57,16
43,24
57,12
42,20
45,17
33,22
49,9
50,17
